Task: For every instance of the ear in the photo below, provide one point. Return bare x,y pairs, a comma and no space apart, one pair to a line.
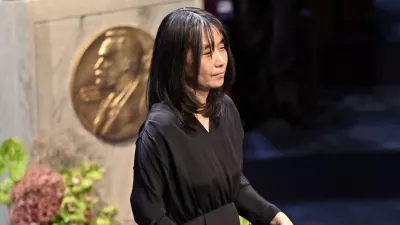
189,64
125,64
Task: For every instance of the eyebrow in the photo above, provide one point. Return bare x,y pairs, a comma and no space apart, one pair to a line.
207,46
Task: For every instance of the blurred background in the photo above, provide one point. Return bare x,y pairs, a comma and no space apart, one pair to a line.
318,90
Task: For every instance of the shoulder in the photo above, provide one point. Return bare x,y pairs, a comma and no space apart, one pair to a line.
230,112
153,135
227,101
228,106
159,122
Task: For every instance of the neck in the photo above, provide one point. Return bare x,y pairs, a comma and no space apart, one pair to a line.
122,81
201,96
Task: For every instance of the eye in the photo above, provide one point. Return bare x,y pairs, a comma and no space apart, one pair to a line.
207,52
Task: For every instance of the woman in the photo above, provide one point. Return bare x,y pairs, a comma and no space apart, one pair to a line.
188,160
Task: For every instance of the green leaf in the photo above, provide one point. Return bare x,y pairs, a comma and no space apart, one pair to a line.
2,162
14,157
72,209
77,189
71,200
103,221
243,221
67,179
94,175
90,199
5,198
86,183
5,191
6,185
77,217
95,200
109,211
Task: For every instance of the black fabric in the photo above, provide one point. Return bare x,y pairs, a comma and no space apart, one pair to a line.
183,177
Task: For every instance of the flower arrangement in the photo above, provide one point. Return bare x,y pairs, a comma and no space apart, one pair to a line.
38,194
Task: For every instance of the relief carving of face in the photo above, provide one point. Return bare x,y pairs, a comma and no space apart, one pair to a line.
118,55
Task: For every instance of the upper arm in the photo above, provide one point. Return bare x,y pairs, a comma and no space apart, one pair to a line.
151,172
149,180
148,168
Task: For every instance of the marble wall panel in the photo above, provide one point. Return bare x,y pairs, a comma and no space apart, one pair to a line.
17,87
47,10
16,78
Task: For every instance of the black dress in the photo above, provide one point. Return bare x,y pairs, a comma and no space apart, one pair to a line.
193,178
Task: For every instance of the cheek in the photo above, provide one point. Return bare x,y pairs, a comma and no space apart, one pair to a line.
205,73
113,71
225,56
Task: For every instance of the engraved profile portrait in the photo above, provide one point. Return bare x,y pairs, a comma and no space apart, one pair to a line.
109,83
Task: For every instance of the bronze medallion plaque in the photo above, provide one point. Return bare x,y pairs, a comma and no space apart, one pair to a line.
109,83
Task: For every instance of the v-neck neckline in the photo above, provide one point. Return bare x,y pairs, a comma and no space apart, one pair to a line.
210,123
203,127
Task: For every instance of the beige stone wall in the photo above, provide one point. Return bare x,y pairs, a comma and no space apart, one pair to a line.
41,42
17,105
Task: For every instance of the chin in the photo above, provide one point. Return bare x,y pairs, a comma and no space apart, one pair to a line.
217,84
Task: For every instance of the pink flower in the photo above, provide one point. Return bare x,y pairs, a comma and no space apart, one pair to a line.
37,197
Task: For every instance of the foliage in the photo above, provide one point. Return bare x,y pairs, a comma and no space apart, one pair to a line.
243,221
13,160
79,205
5,189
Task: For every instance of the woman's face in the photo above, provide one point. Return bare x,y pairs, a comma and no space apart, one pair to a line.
213,62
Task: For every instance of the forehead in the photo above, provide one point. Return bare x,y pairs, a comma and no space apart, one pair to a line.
213,33
107,47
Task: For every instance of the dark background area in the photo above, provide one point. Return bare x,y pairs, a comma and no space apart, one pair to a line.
343,168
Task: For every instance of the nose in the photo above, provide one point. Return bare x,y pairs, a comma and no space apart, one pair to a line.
99,63
219,59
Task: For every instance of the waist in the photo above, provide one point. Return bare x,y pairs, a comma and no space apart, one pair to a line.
227,215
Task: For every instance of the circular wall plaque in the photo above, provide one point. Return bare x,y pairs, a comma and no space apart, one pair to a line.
109,83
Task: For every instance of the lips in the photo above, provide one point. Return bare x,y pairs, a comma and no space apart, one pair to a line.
219,74
98,72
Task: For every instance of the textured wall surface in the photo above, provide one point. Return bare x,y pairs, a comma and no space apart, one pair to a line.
17,96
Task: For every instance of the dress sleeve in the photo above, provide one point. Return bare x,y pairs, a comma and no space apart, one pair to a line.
249,203
148,185
252,206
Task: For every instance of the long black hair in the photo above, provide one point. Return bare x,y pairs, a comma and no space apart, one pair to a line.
179,32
